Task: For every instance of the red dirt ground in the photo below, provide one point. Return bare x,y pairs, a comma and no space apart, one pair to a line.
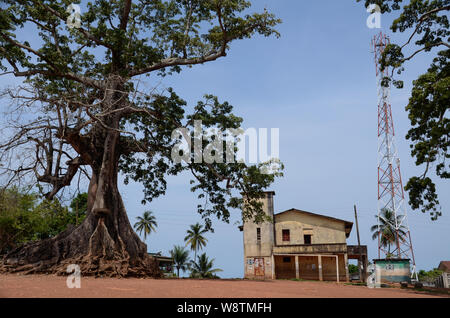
55,286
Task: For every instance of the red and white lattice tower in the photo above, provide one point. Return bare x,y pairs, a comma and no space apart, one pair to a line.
391,195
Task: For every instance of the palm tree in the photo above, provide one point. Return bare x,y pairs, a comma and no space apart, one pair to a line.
180,258
146,223
203,268
195,239
385,229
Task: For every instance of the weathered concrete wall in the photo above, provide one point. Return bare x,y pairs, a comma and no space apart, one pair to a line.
254,248
264,272
324,231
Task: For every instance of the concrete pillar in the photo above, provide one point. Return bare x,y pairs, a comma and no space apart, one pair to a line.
337,268
273,267
297,272
347,274
446,278
320,268
365,266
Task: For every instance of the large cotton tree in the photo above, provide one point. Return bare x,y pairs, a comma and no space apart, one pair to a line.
87,106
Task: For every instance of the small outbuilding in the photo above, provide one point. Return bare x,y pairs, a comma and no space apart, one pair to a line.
393,270
165,263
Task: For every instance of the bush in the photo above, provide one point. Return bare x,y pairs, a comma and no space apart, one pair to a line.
353,269
429,276
24,218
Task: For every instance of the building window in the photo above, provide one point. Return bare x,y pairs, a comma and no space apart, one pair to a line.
307,238
258,234
286,259
286,236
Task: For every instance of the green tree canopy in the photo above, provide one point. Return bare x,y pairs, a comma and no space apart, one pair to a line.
90,92
353,269
146,223
195,238
385,230
79,208
203,267
180,258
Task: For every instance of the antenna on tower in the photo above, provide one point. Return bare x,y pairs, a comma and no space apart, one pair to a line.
391,196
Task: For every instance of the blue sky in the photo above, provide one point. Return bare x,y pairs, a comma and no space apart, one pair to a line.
317,84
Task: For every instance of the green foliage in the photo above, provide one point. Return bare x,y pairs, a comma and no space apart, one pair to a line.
385,231
428,107
211,181
146,223
385,5
78,208
180,258
51,219
134,41
24,218
429,276
203,268
75,69
195,238
15,218
353,269
429,27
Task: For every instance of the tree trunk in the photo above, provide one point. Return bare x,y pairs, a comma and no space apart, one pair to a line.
104,244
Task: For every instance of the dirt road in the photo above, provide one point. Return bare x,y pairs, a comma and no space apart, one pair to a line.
54,286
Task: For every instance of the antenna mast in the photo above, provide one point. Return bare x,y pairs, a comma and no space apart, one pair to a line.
391,196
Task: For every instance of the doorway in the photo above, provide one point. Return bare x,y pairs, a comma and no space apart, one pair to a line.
259,267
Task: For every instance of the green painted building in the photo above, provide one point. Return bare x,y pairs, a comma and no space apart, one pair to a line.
393,270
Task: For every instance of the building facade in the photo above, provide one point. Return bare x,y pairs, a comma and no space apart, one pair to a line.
298,244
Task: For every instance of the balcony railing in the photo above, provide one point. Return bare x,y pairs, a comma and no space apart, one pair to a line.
310,248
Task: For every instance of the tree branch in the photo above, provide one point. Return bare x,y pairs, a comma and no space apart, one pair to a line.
125,15
174,61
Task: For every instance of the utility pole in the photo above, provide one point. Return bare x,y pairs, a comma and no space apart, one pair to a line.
359,248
